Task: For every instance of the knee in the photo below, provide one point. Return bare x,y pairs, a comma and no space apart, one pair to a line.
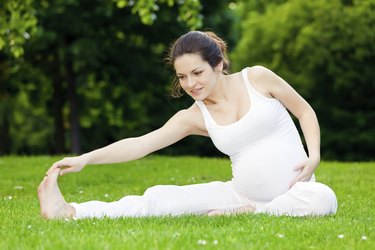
155,200
323,200
155,191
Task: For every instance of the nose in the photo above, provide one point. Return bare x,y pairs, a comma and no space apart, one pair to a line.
190,82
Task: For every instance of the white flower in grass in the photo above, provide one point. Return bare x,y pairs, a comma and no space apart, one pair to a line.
280,235
80,191
18,187
340,236
363,237
176,235
10,197
202,242
74,218
29,227
215,242
66,219
106,195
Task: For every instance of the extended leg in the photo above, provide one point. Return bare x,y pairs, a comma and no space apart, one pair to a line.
167,200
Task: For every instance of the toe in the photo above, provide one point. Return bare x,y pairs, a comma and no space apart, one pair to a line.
54,174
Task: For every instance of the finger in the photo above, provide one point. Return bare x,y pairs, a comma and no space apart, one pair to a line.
65,171
59,164
300,178
299,166
56,172
294,181
51,169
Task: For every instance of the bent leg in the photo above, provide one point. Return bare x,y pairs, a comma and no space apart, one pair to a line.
167,200
304,198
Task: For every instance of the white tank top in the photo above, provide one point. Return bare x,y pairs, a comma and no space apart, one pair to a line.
264,146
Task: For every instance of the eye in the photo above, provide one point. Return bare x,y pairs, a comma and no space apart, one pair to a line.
180,77
197,73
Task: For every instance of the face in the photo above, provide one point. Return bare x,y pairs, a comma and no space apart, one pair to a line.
197,78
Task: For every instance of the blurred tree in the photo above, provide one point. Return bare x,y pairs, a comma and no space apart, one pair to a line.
17,25
84,44
326,50
97,69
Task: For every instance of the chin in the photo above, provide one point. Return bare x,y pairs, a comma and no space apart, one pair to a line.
198,98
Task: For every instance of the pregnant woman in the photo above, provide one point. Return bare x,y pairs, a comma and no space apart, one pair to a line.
246,116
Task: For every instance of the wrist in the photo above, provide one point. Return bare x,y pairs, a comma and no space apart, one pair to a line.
86,158
315,159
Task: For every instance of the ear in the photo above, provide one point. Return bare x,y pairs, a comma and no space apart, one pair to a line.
220,66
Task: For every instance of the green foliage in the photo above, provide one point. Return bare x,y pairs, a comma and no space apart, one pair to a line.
189,10
17,25
325,49
112,55
22,228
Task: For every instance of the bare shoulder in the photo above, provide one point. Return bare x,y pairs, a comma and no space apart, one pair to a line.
259,73
257,70
191,119
264,80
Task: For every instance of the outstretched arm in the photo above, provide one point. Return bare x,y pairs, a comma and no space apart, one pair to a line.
178,127
278,88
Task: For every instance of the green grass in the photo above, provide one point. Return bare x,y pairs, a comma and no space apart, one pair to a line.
22,228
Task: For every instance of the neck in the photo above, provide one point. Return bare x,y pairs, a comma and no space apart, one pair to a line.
219,92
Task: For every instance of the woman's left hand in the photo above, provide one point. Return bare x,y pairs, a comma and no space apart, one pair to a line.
306,170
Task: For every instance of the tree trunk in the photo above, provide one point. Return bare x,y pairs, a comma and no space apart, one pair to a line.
73,105
5,143
57,107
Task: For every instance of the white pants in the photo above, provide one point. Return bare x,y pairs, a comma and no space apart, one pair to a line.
304,198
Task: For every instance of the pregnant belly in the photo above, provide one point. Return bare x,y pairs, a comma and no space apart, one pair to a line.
263,176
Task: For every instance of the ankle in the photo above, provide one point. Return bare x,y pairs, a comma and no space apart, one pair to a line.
71,211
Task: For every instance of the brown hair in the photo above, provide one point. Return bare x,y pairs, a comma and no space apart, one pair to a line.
207,44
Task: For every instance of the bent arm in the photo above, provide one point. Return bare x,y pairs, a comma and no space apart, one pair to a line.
274,86
305,114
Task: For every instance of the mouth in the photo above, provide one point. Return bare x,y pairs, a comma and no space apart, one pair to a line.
195,91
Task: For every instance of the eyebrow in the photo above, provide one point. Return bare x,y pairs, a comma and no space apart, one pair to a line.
197,68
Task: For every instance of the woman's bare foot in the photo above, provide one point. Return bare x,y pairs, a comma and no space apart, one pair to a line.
52,203
241,210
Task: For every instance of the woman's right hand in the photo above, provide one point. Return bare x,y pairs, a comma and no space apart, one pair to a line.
70,164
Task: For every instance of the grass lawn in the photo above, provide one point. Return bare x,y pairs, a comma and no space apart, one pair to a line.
21,227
